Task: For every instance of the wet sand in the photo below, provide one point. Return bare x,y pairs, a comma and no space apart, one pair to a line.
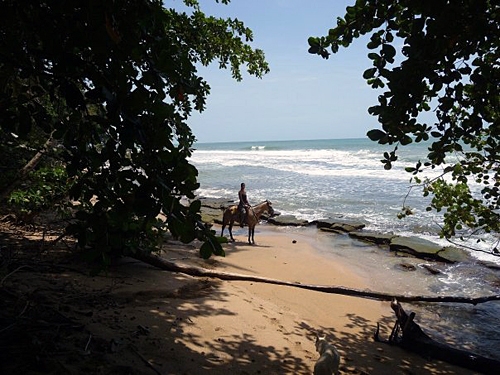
268,329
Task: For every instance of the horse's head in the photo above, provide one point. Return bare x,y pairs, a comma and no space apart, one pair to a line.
270,208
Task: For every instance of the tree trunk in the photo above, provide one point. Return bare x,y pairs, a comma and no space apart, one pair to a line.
198,271
23,172
408,334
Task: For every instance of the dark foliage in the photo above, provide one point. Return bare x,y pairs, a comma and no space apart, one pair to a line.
114,82
440,57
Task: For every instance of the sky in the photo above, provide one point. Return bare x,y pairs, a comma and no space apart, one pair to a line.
304,96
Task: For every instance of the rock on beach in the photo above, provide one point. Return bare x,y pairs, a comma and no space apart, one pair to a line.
212,210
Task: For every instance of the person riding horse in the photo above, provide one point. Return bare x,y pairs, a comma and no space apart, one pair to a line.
243,205
232,214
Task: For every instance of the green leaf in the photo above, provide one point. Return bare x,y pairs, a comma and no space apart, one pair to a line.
406,140
369,73
313,42
446,103
372,45
314,50
206,250
222,239
195,206
388,52
376,134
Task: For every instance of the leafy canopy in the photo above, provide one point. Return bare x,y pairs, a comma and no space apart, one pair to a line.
440,57
114,83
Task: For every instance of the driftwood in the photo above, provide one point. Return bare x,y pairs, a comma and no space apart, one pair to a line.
202,272
408,334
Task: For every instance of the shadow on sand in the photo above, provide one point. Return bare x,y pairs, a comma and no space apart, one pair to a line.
134,319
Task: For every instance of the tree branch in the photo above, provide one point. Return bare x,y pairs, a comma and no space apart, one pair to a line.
163,264
21,175
409,335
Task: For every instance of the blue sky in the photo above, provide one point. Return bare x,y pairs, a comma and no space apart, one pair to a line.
304,96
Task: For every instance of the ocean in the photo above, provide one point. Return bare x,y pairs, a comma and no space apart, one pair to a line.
320,179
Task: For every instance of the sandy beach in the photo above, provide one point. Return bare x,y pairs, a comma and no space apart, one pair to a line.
268,329
137,319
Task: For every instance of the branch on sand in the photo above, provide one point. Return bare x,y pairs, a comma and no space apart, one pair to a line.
166,265
408,335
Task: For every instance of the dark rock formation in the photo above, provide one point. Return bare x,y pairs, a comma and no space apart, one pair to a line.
339,225
287,220
425,249
432,270
213,208
406,266
373,237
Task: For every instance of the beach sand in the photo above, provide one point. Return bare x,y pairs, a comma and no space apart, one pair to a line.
268,329
141,320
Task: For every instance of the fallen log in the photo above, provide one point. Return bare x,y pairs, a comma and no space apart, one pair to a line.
412,338
166,265
408,335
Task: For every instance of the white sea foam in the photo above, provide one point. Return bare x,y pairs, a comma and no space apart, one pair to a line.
306,162
326,179
317,179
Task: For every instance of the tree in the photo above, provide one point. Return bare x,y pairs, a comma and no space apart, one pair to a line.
114,83
441,57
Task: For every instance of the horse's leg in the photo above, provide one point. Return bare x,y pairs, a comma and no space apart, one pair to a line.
222,231
231,230
251,233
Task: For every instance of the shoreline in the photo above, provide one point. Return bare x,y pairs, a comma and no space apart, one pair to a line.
285,320
138,319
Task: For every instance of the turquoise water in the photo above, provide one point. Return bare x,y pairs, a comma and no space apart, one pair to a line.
317,179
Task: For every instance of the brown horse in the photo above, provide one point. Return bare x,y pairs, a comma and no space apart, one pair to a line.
232,214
